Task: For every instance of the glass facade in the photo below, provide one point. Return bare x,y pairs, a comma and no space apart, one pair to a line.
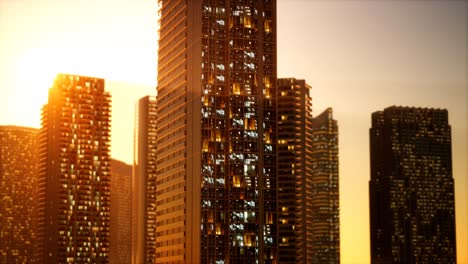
238,132
216,140
412,206
18,176
74,178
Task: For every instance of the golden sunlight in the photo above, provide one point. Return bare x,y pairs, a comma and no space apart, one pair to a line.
31,76
34,73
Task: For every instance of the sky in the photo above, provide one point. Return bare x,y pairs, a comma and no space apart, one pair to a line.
359,57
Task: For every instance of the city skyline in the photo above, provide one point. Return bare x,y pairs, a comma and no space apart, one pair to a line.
442,47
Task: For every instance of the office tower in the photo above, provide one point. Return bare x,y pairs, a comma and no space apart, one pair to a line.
18,175
120,250
144,182
412,206
216,123
74,177
308,194
323,216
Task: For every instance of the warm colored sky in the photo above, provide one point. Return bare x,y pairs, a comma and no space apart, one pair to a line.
359,57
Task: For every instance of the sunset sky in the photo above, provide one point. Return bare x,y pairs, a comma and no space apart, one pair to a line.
359,57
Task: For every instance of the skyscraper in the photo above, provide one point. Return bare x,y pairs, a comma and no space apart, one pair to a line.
412,206
120,242
144,183
18,175
294,170
74,178
216,140
323,214
308,194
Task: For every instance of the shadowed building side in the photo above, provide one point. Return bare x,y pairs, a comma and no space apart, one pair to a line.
120,213
144,183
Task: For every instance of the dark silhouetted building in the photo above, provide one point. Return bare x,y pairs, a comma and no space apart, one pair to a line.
18,176
322,198
216,132
120,213
308,190
412,206
74,178
144,183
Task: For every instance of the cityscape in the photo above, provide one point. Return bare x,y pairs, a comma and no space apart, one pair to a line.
234,132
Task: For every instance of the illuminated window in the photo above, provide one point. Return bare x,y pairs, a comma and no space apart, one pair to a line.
267,26
236,181
236,88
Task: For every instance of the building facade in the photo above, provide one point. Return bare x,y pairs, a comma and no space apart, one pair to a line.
144,183
294,170
74,178
120,250
216,140
323,214
412,205
308,180
18,176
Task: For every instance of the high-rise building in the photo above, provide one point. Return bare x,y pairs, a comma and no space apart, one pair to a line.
144,183
412,206
74,177
294,170
120,243
323,214
18,175
216,140
308,192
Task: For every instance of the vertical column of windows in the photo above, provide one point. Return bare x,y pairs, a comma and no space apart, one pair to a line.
235,135
214,134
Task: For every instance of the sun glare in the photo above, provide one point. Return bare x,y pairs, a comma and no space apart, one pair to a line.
35,72
33,75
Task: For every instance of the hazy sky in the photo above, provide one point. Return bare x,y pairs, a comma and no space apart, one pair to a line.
358,56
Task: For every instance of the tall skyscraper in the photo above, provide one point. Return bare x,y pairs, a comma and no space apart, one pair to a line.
144,183
18,176
216,140
323,215
294,170
412,206
74,178
120,243
308,195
